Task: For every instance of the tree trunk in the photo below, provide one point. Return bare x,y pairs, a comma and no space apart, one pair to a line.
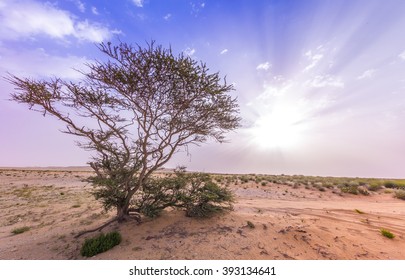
122,213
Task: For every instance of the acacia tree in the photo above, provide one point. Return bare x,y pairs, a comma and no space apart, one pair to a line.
134,111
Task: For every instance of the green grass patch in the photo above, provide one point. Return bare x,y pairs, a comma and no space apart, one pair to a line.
20,230
100,244
387,233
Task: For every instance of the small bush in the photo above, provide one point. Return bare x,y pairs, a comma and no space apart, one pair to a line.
328,185
100,244
20,230
321,189
250,224
349,189
400,194
390,185
196,193
363,190
387,233
374,187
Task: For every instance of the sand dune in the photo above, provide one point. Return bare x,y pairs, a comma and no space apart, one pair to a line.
289,223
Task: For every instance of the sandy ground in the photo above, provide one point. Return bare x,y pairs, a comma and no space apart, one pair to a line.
289,223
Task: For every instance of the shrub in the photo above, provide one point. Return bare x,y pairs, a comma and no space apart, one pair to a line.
374,187
250,224
390,185
196,193
100,244
387,233
349,189
328,185
208,200
400,194
321,189
353,184
363,190
20,230
244,180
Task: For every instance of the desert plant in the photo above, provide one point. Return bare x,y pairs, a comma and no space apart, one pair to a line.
346,188
100,244
359,211
400,194
135,111
375,186
250,224
363,190
328,185
196,193
387,233
390,184
20,230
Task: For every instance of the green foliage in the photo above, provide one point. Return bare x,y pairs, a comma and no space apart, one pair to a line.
20,230
400,194
390,184
207,199
346,188
110,187
250,225
100,244
196,193
397,184
387,233
375,186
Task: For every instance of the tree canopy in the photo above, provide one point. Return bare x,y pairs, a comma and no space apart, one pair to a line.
135,110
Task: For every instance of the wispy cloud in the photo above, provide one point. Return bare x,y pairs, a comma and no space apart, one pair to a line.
81,6
402,55
321,81
27,19
367,74
94,11
264,66
189,51
167,17
197,7
224,51
314,59
138,3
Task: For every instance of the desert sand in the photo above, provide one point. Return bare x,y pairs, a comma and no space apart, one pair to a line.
285,223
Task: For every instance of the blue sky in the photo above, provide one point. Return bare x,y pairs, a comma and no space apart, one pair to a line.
320,84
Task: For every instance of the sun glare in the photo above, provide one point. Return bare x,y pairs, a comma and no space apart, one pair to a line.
280,129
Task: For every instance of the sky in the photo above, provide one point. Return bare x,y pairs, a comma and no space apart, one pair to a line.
320,84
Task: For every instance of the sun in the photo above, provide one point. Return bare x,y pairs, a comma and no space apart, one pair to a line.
282,128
